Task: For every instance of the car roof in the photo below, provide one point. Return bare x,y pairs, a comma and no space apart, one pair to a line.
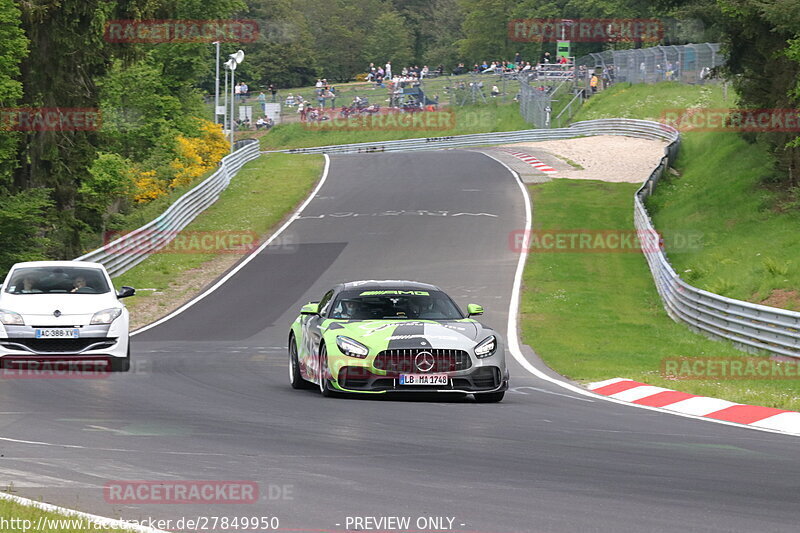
401,285
80,264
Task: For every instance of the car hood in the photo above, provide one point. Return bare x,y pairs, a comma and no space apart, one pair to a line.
67,304
406,334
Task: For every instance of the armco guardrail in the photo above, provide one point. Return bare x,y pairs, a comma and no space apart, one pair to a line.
636,128
128,251
751,326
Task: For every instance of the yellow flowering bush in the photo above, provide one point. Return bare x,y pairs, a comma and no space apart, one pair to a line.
147,187
196,155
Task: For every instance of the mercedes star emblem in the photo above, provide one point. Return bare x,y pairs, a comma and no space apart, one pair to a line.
424,361
56,313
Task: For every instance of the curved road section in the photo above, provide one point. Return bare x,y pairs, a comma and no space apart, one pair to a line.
208,400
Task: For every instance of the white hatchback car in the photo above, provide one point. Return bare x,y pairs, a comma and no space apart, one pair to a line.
63,311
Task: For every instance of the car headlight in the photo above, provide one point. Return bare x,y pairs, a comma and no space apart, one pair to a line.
486,347
106,316
10,318
350,347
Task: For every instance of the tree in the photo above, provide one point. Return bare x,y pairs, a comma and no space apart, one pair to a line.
389,40
13,48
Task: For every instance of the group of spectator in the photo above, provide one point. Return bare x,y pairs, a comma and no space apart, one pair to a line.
262,123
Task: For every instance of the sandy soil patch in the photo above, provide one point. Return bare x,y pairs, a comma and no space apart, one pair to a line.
604,157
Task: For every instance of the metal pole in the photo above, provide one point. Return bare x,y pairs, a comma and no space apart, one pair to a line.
225,113
233,104
216,89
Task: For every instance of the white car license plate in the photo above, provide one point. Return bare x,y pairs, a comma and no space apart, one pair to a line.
58,333
423,379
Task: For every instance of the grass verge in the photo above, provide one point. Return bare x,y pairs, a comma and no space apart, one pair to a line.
749,248
23,518
468,119
594,316
263,193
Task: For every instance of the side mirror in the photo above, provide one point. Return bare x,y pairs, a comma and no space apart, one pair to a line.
125,292
311,308
474,310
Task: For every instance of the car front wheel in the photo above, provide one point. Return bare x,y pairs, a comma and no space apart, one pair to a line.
324,386
490,397
295,378
122,364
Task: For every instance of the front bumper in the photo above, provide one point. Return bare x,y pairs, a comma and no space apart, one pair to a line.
479,379
20,342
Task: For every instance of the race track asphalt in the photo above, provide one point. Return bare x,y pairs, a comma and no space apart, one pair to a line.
208,397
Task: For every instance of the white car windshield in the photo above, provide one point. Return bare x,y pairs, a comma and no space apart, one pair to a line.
57,280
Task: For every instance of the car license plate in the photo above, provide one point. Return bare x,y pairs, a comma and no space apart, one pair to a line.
423,379
58,333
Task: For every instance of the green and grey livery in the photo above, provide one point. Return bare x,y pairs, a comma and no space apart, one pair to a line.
375,337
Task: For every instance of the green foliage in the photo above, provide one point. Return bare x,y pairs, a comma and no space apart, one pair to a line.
389,40
110,178
137,110
13,48
21,217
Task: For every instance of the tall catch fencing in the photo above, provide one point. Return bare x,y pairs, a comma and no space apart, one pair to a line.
689,63
126,252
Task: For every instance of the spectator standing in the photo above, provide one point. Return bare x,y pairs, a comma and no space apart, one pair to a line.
274,92
262,100
245,91
388,71
517,58
301,109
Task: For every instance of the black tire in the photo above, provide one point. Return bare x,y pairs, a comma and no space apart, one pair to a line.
120,364
295,378
490,397
324,386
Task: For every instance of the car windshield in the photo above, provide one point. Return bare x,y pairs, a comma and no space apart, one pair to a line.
394,304
57,280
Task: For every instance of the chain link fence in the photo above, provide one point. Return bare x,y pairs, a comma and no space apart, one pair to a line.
545,107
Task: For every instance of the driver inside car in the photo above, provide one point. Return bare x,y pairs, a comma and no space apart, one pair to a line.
347,309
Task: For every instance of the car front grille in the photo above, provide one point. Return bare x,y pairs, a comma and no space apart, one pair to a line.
402,360
60,346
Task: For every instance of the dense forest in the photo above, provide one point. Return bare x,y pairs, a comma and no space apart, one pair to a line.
59,190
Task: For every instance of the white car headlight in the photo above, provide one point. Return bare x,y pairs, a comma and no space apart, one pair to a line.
350,347
486,347
10,318
106,316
